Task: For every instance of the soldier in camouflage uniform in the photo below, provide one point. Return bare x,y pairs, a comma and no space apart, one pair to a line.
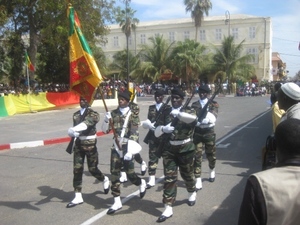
84,130
137,157
152,141
178,151
125,155
205,136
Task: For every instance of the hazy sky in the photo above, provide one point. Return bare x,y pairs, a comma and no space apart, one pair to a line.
285,17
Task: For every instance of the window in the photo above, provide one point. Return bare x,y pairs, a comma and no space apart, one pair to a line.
252,32
143,39
202,35
171,36
235,33
130,40
219,34
116,41
186,35
254,52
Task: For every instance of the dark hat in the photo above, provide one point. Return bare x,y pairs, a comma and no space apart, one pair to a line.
177,91
159,93
204,88
125,94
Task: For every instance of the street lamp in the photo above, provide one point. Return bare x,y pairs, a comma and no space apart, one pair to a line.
227,20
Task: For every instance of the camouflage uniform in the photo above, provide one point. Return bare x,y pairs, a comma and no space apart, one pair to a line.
205,137
86,148
152,140
116,162
178,156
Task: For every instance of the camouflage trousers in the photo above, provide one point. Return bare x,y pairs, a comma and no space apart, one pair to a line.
116,165
173,158
153,159
206,140
82,149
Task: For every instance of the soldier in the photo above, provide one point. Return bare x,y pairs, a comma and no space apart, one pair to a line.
178,151
152,141
84,130
204,135
125,124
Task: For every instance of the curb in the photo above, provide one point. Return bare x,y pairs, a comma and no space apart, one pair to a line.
29,144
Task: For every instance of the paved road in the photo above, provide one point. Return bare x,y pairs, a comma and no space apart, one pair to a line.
37,182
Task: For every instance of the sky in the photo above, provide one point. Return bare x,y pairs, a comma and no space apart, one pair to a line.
285,16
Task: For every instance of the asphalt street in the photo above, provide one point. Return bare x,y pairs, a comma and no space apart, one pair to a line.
37,181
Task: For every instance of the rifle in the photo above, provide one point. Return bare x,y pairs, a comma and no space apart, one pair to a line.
166,137
159,113
73,139
203,112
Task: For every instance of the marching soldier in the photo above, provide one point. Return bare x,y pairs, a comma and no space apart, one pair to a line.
152,141
178,151
84,130
204,135
125,124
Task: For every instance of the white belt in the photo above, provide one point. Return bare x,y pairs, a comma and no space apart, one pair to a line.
88,137
181,142
207,125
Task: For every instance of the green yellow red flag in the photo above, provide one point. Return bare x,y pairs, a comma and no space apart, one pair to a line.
28,62
85,76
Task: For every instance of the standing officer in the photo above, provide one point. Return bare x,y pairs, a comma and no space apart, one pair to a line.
204,135
125,124
84,130
178,151
152,140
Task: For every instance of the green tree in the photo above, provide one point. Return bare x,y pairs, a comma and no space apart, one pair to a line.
197,8
156,57
229,60
189,59
128,23
49,40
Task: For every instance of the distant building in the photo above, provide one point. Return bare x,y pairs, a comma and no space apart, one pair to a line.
256,31
278,67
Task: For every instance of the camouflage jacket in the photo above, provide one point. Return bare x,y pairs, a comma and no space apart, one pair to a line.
131,131
182,130
90,118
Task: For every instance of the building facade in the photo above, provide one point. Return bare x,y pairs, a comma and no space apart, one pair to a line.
256,31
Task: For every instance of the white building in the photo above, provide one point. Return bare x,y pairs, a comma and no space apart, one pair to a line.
256,31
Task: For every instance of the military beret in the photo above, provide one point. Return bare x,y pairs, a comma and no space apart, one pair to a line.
177,91
159,93
292,90
125,94
204,88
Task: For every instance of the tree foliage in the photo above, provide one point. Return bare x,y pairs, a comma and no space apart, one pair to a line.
43,26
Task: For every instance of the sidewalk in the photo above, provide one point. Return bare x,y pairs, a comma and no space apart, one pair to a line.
44,128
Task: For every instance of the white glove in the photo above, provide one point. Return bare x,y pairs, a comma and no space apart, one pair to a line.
107,117
128,156
205,121
72,133
175,112
148,125
198,124
168,129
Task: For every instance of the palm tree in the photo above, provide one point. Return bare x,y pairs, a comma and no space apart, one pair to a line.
229,60
189,59
120,62
128,23
197,8
156,56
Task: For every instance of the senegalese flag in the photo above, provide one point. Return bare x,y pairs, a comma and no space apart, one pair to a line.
85,76
28,62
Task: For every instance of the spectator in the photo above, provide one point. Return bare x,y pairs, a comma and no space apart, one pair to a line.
273,196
